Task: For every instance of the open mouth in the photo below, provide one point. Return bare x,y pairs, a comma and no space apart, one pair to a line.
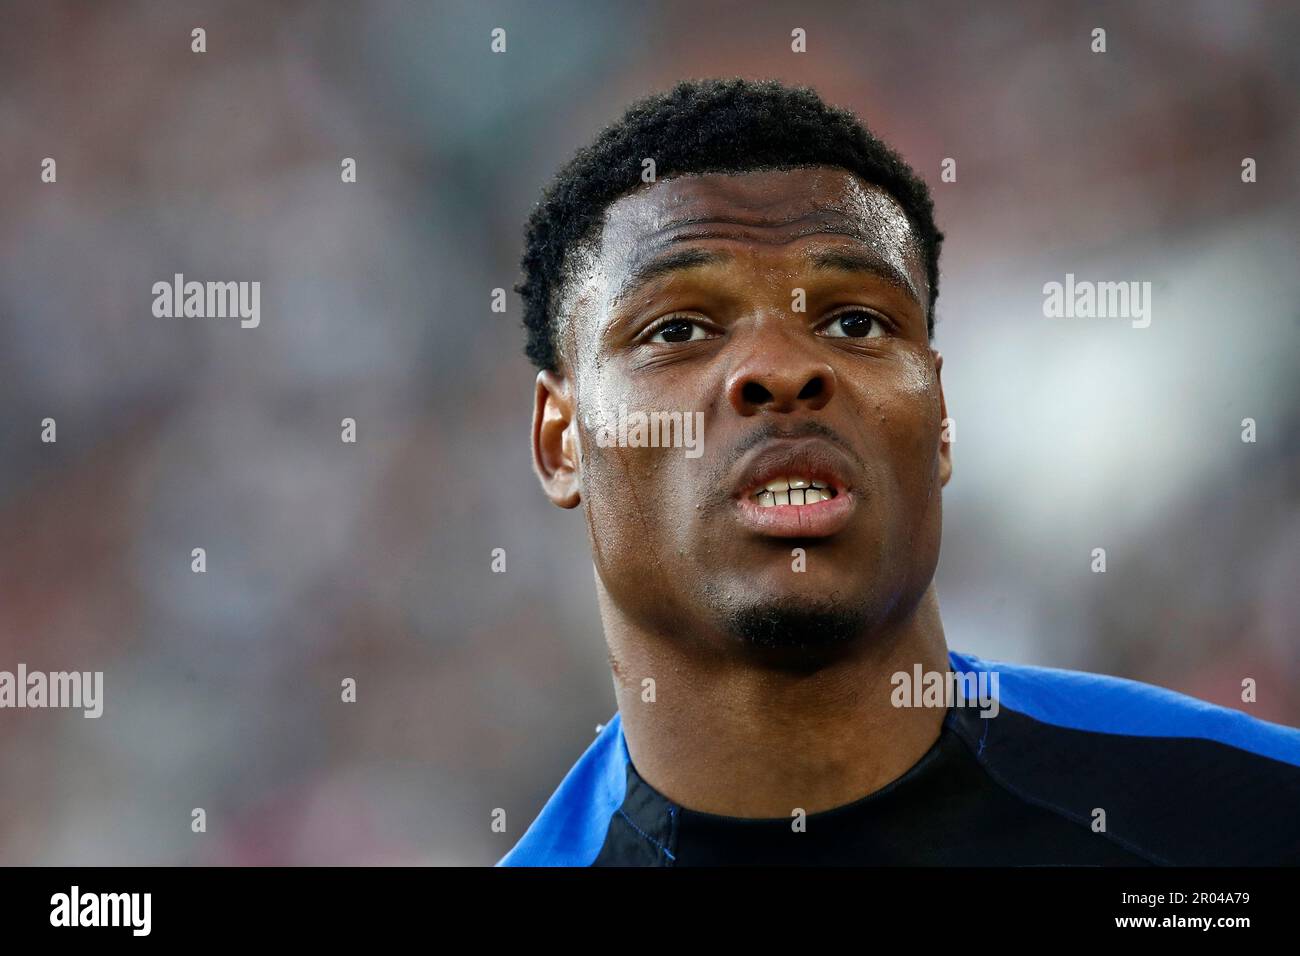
801,488
793,490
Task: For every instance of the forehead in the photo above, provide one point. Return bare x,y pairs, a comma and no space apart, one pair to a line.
765,207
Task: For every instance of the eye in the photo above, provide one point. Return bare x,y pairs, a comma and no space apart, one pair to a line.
679,330
857,324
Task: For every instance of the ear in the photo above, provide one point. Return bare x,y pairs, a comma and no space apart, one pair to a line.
555,454
945,446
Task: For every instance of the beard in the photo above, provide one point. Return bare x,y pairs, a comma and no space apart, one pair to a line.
797,633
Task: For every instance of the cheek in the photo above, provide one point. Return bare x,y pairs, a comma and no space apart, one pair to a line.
636,494
630,505
911,417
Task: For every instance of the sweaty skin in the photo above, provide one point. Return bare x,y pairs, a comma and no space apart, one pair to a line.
737,727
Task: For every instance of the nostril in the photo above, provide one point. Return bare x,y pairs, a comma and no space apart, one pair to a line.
755,394
813,388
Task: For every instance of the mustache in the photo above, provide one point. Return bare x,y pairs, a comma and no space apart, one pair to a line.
770,431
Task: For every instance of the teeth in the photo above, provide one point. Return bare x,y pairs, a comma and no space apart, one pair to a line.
793,491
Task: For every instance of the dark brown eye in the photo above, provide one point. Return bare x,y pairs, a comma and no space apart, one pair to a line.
854,325
678,330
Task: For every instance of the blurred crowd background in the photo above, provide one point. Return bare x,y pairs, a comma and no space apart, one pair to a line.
328,560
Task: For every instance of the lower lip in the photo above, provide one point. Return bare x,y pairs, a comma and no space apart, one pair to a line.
798,521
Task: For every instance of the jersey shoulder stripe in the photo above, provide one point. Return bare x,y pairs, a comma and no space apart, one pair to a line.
571,827
1079,700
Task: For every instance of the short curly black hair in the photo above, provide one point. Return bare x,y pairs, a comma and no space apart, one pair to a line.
702,126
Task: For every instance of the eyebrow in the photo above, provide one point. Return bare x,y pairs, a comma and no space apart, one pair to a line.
863,261
680,260
854,259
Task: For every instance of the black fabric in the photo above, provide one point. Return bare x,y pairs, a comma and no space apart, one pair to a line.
1004,791
1182,801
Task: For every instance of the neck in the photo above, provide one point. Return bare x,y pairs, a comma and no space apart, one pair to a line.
728,735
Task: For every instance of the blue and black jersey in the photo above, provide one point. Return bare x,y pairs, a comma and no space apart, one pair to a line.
1177,781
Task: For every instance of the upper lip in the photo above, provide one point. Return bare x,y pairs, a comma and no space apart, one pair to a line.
814,458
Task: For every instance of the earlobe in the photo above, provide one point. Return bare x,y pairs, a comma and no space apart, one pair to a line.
554,440
946,430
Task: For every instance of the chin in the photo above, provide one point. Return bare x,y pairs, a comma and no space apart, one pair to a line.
797,624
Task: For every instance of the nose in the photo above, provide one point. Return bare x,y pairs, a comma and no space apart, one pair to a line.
780,375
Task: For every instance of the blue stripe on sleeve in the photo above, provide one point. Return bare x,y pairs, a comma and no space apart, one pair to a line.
1116,705
571,828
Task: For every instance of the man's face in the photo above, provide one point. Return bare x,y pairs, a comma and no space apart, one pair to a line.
692,304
